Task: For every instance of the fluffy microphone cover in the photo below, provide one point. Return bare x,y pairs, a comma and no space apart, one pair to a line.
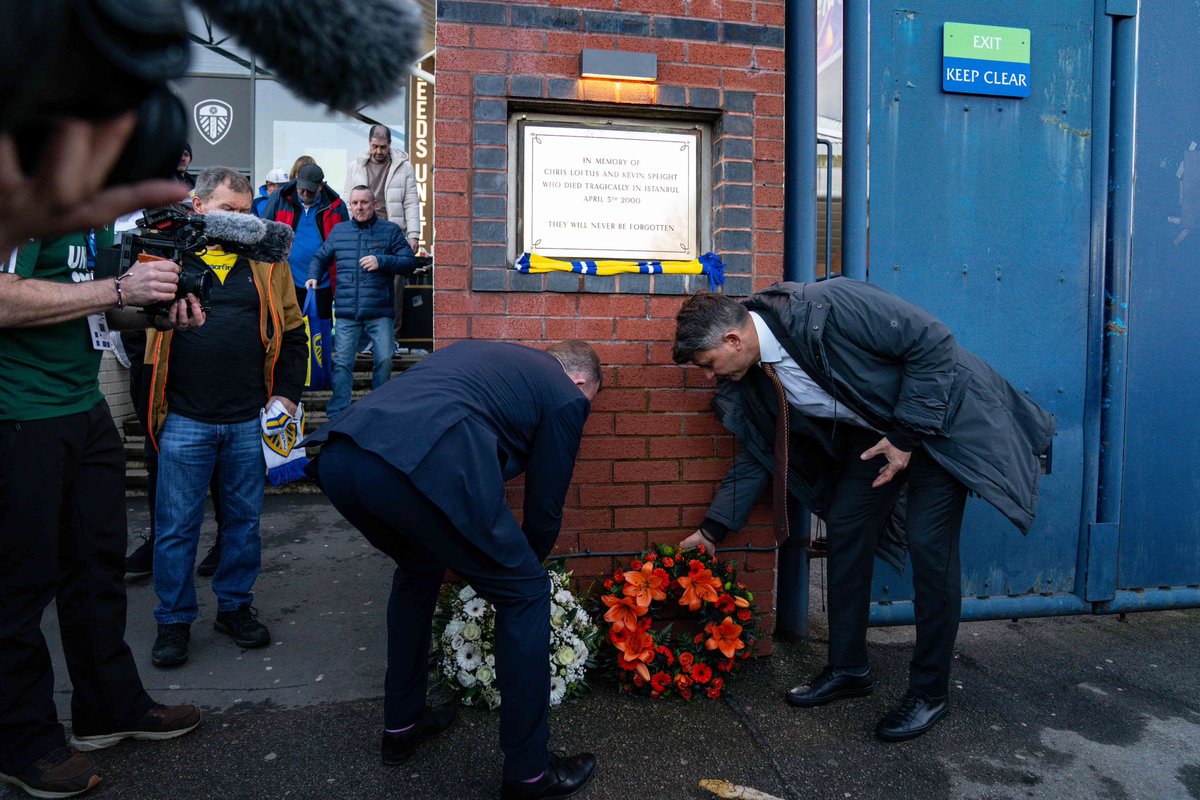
249,236
344,53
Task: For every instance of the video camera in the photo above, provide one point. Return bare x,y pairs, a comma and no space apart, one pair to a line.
127,49
163,233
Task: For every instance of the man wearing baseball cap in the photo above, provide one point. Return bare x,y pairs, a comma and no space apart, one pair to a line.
311,208
275,178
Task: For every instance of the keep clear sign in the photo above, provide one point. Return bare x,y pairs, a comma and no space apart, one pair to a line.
594,193
985,59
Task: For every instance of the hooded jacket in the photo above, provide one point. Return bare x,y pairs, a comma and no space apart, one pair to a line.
361,294
901,370
400,189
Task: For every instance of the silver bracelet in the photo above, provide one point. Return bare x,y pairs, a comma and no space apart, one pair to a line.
120,298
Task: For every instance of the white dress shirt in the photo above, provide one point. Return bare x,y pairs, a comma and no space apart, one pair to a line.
803,393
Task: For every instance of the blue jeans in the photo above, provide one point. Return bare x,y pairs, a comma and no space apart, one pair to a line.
188,451
345,348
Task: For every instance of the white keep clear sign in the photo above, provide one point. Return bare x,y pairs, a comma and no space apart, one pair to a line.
592,193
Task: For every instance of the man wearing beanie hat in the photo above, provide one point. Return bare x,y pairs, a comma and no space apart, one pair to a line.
311,208
181,169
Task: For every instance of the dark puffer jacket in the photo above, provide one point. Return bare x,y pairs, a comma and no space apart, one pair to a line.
361,294
902,371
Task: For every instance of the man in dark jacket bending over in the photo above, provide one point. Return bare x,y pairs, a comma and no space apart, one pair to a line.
881,399
370,252
419,468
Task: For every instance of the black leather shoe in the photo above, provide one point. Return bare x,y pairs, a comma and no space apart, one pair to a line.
916,714
397,747
564,777
831,684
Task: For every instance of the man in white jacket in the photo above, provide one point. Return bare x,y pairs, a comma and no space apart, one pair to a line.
387,171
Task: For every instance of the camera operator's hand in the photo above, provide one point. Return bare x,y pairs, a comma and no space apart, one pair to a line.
186,314
66,192
369,263
150,282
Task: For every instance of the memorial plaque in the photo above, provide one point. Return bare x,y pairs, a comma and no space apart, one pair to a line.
594,193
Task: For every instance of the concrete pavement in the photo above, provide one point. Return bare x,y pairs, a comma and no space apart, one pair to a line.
1050,708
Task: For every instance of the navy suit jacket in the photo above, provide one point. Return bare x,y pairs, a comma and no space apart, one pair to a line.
464,420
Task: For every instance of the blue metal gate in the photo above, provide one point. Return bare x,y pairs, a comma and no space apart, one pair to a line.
1012,220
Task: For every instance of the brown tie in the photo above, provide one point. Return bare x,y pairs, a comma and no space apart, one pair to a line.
780,492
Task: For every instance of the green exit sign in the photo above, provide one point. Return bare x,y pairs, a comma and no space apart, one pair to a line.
985,59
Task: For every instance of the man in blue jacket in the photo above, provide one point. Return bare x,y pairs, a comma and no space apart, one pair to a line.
419,468
371,252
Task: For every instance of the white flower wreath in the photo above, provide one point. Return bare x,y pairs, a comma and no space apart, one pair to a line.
464,644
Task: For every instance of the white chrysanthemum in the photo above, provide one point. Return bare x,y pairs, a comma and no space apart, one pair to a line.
582,619
564,598
486,675
471,632
558,690
475,607
466,593
456,642
454,627
466,678
469,656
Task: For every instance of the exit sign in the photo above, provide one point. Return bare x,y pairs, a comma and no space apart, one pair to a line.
985,59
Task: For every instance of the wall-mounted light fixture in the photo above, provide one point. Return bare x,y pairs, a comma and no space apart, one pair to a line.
618,65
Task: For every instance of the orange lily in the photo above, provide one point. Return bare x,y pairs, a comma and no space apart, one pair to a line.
726,637
698,587
636,651
622,612
646,584
741,602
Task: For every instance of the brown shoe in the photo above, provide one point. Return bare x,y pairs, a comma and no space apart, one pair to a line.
160,722
59,773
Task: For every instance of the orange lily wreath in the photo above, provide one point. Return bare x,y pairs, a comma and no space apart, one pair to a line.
702,594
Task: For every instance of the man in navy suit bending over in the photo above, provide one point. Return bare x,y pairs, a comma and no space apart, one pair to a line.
419,466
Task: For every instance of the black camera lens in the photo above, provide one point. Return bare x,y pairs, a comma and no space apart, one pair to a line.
196,282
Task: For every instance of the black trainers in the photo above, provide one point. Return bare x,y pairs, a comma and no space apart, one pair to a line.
171,645
397,747
159,723
208,566
59,773
241,624
140,562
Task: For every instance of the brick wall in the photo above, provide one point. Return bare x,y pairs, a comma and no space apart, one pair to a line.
653,451
114,385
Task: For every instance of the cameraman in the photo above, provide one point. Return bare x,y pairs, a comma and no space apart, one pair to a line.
206,393
62,516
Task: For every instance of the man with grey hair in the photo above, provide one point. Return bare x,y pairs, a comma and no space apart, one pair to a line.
208,388
419,468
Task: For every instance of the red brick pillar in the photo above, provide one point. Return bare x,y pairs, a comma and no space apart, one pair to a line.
653,452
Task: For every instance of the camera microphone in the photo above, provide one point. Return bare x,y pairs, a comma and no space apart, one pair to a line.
249,236
372,44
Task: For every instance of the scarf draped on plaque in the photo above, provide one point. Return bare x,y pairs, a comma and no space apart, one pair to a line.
708,264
